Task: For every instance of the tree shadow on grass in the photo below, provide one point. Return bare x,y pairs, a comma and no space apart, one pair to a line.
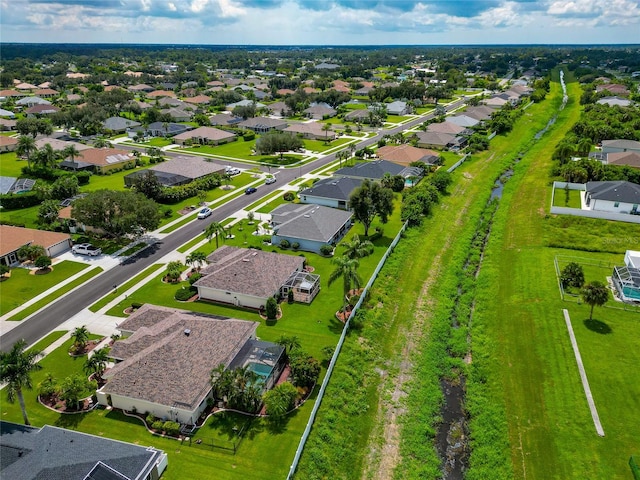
597,326
70,421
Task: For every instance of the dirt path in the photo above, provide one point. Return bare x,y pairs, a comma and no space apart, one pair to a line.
384,444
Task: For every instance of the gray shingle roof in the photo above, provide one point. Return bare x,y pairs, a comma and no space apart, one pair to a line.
618,191
247,271
156,366
119,123
334,188
629,144
375,169
309,222
53,453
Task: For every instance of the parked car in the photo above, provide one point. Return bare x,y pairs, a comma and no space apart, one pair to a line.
232,170
204,213
250,190
86,249
270,180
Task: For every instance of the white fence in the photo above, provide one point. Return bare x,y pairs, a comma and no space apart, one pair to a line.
334,358
458,163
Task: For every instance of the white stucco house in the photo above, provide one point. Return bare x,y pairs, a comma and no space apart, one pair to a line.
613,196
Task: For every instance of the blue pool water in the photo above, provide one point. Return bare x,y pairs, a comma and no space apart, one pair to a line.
631,292
260,369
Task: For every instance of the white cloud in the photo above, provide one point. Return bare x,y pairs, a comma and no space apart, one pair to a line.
228,8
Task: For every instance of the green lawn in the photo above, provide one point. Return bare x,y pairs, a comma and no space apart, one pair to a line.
238,149
566,198
396,118
48,340
255,204
124,287
279,200
10,165
23,286
55,295
321,146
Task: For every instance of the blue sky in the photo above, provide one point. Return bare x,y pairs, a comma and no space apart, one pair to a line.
321,22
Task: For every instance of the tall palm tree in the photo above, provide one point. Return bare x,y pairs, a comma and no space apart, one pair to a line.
595,293
16,367
347,269
71,152
47,156
357,248
25,148
196,259
97,363
215,229
326,128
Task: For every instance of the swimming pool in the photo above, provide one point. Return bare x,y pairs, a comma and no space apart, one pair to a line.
631,292
261,369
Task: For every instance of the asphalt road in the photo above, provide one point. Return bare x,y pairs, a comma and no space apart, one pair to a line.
72,303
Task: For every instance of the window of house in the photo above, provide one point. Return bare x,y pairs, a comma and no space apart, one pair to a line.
616,204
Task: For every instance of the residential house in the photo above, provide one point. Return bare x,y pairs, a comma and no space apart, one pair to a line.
263,124
46,93
199,100
37,110
479,112
363,92
8,144
160,129
224,120
26,86
358,115
614,101
178,171
11,93
437,140
613,88
165,361
330,192
626,279
205,136
165,102
279,109
101,160
613,146
30,453
310,226
7,113
247,277
119,124
245,103
631,159
319,112
31,101
406,154
327,66
179,114
462,120
447,127
161,93
7,124
375,170
141,87
613,196
12,238
59,144
398,108
312,131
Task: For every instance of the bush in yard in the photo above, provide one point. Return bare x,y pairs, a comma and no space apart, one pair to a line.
136,305
290,296
295,245
284,243
326,249
4,269
289,196
150,419
272,308
194,278
172,428
183,294
572,275
42,262
157,425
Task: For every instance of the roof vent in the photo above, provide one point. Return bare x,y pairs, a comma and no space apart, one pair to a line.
187,332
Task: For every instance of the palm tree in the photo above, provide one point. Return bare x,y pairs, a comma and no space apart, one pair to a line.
583,147
595,293
71,152
347,269
101,142
174,270
215,229
357,248
326,128
221,381
289,343
16,367
97,363
26,146
196,259
47,156
80,338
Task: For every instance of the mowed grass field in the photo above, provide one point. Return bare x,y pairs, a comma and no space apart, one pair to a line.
534,370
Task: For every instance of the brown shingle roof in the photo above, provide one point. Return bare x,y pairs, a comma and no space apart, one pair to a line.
247,271
406,154
12,238
189,166
8,141
624,158
105,156
161,93
163,365
445,127
198,99
208,133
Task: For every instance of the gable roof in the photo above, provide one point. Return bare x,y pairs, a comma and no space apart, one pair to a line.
313,128
374,169
631,159
435,138
463,120
406,154
42,109
119,123
246,271
224,119
445,127
12,238
621,143
188,166
30,453
309,222
58,144
154,365
105,156
8,141
262,122
338,188
617,191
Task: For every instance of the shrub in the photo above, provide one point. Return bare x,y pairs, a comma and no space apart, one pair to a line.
12,201
288,196
42,262
157,425
194,278
284,243
183,294
150,419
290,296
136,305
167,212
172,428
247,137
326,249
272,308
295,245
